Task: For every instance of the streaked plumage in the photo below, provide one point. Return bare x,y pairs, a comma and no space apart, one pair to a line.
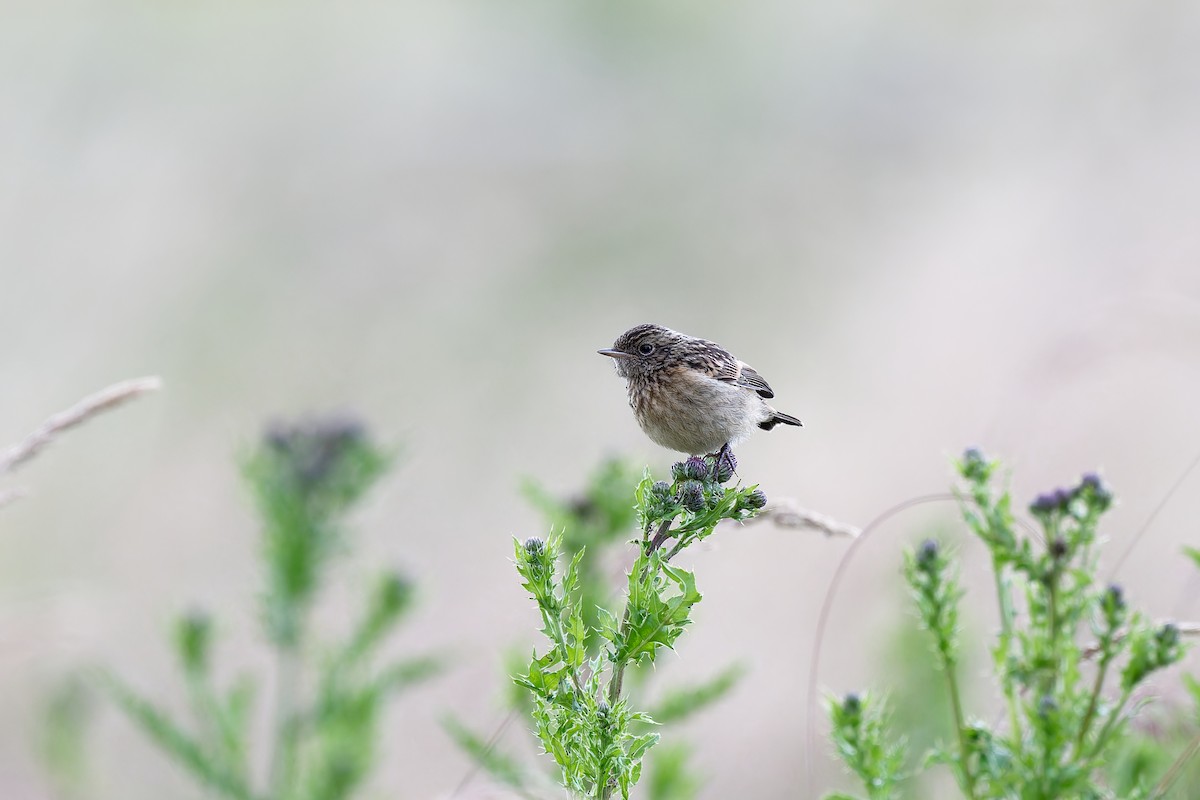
691,394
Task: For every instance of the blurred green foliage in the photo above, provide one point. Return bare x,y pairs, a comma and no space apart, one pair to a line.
328,697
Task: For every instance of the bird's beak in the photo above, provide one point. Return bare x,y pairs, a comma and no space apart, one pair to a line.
614,353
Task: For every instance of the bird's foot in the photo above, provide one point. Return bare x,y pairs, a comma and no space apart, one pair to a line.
724,463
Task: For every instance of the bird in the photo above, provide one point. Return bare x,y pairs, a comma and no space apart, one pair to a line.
692,395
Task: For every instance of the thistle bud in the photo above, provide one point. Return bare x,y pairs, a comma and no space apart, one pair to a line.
927,554
723,467
1112,605
691,496
755,500
973,466
393,593
694,469
1095,491
193,637
1048,503
534,546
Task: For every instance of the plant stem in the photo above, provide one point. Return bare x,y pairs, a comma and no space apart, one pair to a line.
554,625
1090,714
960,728
1004,599
1052,609
618,674
1108,724
286,682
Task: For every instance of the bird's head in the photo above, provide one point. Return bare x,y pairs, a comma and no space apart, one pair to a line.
643,349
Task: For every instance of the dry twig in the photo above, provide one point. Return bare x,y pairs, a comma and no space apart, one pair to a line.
81,412
45,434
788,514
1185,629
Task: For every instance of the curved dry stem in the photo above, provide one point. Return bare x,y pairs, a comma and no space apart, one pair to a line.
827,608
1137,537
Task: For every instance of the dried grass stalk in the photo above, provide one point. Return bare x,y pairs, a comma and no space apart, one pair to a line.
103,400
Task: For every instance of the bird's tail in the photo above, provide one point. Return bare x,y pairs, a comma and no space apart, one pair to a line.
777,418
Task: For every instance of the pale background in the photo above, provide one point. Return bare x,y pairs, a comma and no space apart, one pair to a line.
928,224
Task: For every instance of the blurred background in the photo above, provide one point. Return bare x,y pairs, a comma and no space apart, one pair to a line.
928,224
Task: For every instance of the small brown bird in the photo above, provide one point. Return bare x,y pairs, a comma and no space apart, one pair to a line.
691,394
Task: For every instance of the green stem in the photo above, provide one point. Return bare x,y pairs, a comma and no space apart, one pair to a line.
1108,725
286,682
1094,700
1056,656
618,675
554,625
961,729
213,720
1004,599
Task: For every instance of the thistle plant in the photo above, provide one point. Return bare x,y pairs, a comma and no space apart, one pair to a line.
1069,657
581,711
594,525
328,700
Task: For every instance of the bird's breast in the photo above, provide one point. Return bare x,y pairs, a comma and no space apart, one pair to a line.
687,410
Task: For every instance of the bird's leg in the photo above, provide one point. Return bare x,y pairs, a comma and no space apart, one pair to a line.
725,455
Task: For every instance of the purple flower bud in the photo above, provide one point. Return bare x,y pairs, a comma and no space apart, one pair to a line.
927,554
1058,548
1048,503
756,499
1095,491
691,496
974,467
534,546
694,469
723,466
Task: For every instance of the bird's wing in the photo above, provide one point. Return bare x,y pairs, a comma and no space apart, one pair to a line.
742,374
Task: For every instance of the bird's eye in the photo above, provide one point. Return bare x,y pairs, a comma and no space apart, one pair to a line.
646,349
